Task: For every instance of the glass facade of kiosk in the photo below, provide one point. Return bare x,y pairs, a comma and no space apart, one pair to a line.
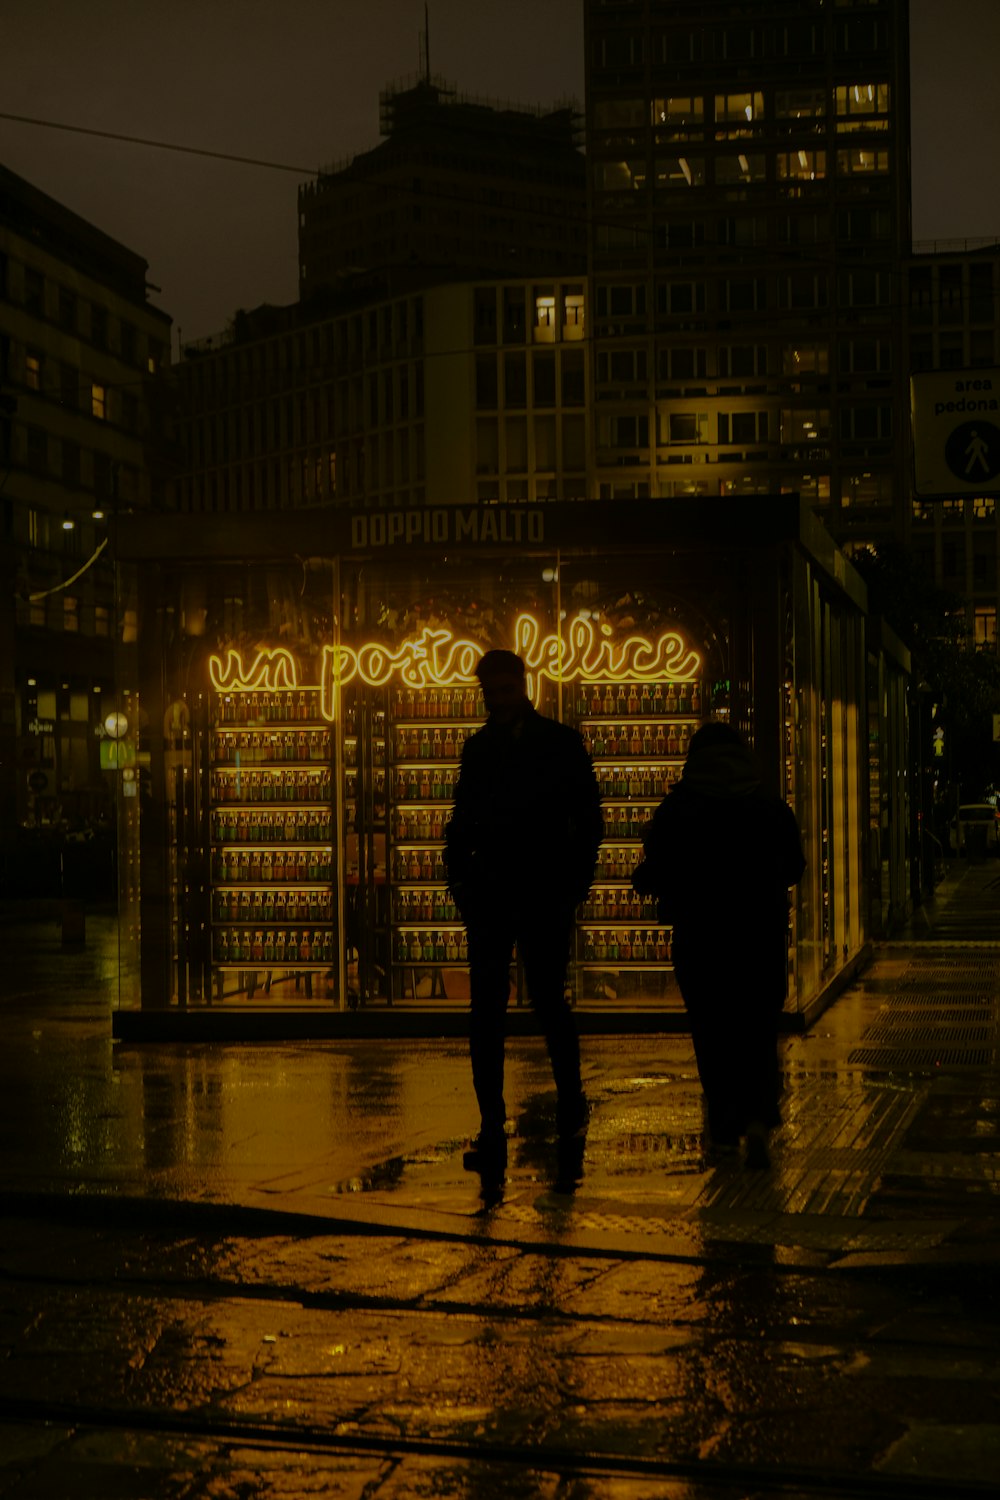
297,727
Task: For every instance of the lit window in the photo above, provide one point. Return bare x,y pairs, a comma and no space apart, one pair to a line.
33,371
99,401
545,312
862,106
802,165
800,104
861,162
984,507
679,116
985,627
573,314
737,112
71,613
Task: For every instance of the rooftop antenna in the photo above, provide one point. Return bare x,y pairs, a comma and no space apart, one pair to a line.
426,38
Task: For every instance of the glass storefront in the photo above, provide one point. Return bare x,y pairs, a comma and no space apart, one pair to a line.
298,696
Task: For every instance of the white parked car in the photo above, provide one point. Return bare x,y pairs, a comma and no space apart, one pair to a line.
975,821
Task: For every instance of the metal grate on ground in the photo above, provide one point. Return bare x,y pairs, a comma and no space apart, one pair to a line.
903,1029
921,1057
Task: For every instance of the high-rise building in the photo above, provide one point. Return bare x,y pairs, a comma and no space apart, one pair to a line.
749,212
456,189
81,350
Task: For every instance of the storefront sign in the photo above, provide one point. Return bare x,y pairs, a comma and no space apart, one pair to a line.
585,650
41,726
448,526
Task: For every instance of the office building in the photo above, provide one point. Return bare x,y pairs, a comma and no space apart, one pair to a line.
749,196
81,351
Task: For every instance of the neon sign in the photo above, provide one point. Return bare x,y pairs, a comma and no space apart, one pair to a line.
438,658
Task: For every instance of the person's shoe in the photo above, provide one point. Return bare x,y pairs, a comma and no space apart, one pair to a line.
758,1156
571,1115
487,1154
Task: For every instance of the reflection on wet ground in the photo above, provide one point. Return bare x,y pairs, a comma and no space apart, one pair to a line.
262,1269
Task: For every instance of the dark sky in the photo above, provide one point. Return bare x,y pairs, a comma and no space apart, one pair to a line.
298,82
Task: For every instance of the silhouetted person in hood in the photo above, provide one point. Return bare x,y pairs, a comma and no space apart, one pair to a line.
521,852
720,855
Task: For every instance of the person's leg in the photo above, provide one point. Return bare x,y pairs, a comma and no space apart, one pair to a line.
543,937
491,942
704,984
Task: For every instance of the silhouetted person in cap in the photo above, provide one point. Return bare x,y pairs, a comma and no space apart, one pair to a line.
521,852
720,855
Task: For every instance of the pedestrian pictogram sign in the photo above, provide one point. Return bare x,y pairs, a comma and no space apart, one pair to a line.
956,432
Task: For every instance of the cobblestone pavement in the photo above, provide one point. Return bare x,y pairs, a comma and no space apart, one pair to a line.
262,1271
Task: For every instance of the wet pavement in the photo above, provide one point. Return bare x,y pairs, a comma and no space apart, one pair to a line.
260,1269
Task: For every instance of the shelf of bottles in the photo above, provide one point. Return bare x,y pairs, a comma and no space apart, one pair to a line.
427,732
637,735
272,827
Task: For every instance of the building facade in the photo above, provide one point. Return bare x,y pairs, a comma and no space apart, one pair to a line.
471,391
457,189
749,212
952,303
81,356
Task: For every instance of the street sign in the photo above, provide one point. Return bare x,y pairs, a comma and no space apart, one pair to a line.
956,433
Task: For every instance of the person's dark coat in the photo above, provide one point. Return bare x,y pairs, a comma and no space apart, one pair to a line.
526,823
719,856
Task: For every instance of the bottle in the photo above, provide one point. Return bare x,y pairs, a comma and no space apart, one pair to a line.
696,697
416,947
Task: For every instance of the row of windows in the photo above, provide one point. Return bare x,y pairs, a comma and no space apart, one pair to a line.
726,169
791,425
691,116
352,467
51,302
76,467
293,359
505,314
809,227
855,36
800,290
953,293
60,381
547,445
953,351
541,380
743,361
